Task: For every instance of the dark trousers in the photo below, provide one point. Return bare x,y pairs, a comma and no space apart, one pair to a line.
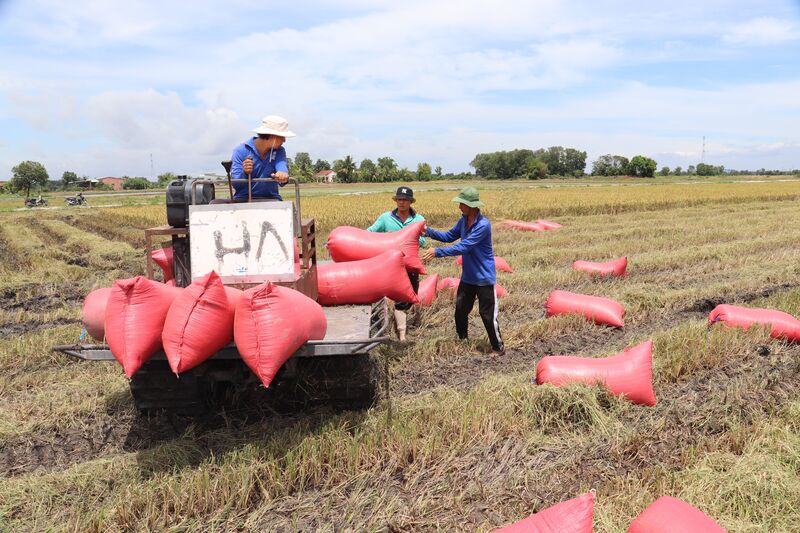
414,278
487,306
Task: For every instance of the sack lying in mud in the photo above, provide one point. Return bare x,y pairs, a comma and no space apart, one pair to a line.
783,325
271,323
135,314
427,289
365,281
669,515
347,243
163,257
546,224
199,322
609,268
500,291
572,516
521,225
93,315
599,310
499,264
450,284
628,374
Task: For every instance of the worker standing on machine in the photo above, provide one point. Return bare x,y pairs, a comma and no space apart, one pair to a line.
395,220
262,156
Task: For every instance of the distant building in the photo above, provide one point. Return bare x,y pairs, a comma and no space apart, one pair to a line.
114,183
325,176
86,184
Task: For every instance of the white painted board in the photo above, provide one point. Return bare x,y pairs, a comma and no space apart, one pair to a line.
243,243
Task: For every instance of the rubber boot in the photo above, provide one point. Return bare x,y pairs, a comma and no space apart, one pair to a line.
400,323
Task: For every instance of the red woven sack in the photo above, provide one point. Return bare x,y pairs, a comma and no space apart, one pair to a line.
135,314
450,284
163,257
546,224
599,310
347,243
522,225
271,323
199,322
572,516
365,281
427,289
628,374
609,268
94,312
500,291
499,264
671,515
782,325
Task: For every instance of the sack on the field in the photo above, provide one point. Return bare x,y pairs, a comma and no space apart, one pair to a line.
782,325
628,374
450,284
609,268
671,515
572,516
595,308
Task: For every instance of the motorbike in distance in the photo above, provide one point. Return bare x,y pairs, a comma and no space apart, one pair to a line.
75,200
35,202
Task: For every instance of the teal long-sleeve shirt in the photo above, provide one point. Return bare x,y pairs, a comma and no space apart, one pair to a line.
389,222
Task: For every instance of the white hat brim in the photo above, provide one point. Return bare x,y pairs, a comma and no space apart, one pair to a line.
270,131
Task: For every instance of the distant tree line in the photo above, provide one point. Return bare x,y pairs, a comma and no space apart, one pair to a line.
384,169
530,164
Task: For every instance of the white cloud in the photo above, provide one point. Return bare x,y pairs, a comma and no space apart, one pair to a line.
763,31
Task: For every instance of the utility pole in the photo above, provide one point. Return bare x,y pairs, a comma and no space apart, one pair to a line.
703,153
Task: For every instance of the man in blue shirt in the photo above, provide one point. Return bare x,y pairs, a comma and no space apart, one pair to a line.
262,156
478,275
395,220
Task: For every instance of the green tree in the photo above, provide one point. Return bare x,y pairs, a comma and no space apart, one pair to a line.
368,171
438,172
664,171
165,178
690,170
678,171
610,165
537,169
68,178
321,165
387,169
642,167
345,169
137,184
303,165
27,175
424,172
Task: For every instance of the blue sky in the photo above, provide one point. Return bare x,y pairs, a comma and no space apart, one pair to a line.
98,86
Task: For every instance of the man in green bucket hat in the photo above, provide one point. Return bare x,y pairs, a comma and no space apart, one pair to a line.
478,276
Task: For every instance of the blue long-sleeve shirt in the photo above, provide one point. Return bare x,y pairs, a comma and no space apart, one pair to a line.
273,161
475,248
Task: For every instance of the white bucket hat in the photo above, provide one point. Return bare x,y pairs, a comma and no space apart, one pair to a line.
274,125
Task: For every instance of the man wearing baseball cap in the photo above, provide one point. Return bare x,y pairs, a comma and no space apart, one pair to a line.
478,276
262,156
394,220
